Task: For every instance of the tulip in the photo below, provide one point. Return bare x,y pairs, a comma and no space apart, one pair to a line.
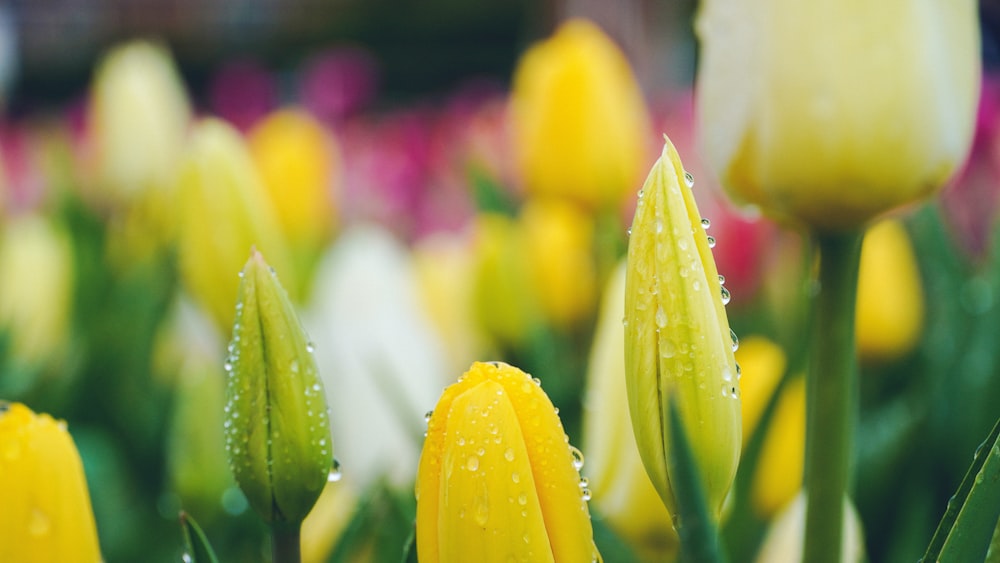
890,304
46,514
377,351
36,288
778,475
559,249
139,114
622,491
297,159
764,363
677,337
784,539
276,424
579,118
827,114
497,481
223,211
502,294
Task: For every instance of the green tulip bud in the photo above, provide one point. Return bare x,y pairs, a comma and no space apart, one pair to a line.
276,424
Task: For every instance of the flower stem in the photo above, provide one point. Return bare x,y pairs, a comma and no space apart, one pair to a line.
285,542
831,387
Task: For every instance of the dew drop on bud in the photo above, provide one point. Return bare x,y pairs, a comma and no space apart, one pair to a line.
335,474
428,415
726,296
577,458
689,179
711,242
736,341
705,223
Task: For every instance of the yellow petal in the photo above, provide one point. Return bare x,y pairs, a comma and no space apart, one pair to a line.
779,469
46,514
762,363
497,480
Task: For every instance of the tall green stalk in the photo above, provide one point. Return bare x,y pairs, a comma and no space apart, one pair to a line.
831,389
286,542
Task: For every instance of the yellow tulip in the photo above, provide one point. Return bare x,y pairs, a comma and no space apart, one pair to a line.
784,538
579,118
276,424
559,240
497,481
46,515
223,212
890,303
779,470
622,490
677,337
36,288
296,160
829,113
763,365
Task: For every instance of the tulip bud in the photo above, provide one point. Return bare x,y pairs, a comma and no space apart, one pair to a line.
139,114
623,493
223,211
35,288
778,475
46,513
502,293
579,118
677,337
497,481
827,114
296,160
277,430
890,303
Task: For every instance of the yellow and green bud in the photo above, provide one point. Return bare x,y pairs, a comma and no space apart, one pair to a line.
497,480
46,514
678,344
276,424
829,113
223,210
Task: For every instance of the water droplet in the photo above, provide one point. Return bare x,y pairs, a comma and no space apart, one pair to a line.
482,512
522,499
661,317
186,558
726,296
705,223
584,482
428,415
628,232
725,390
659,226
727,375
667,348
722,279
689,179
537,381
739,372
585,493
335,474
472,463
696,285
294,366
508,454
711,242
736,341
515,477
577,458
641,193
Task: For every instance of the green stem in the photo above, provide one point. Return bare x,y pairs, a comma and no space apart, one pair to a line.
831,405
285,543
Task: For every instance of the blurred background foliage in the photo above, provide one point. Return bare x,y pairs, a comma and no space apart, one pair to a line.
435,247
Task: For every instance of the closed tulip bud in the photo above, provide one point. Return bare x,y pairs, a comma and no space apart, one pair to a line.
778,475
677,337
36,287
223,211
46,514
139,114
559,247
579,118
622,491
296,159
502,295
827,114
276,425
890,304
497,481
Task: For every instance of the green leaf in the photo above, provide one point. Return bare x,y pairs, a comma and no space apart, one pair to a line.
696,529
968,524
196,546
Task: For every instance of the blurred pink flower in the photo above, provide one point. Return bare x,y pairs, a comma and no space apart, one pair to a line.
337,83
242,92
970,203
